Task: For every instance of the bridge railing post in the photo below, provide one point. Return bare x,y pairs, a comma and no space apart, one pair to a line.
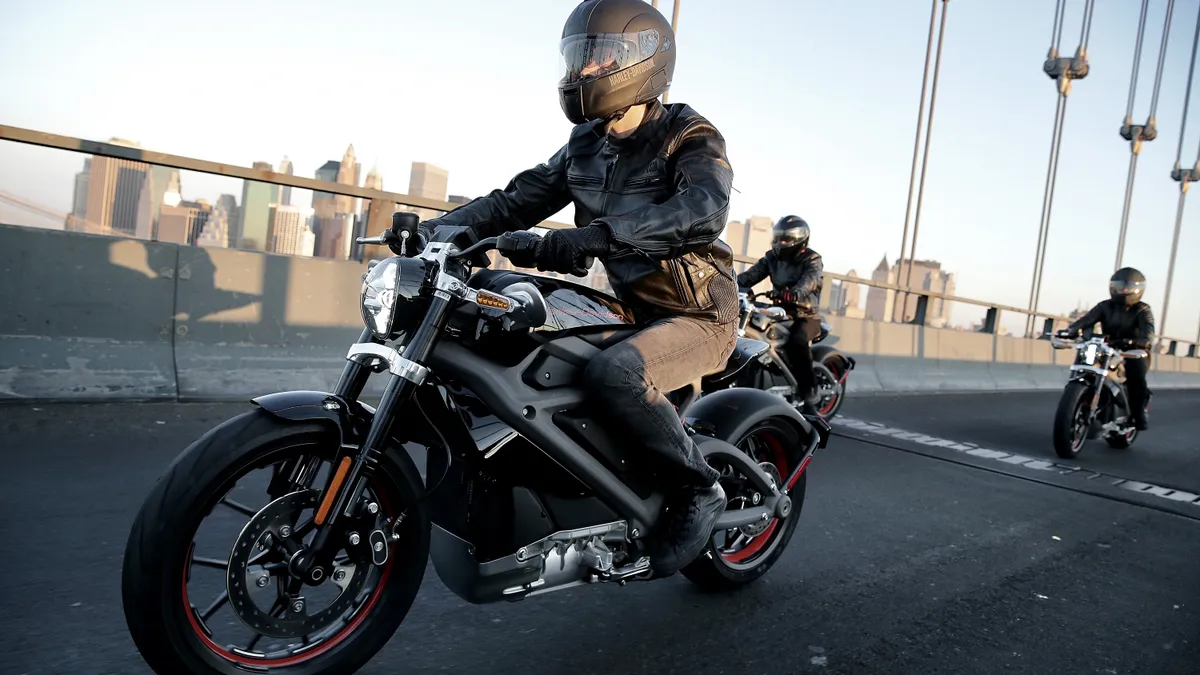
920,311
1047,329
991,321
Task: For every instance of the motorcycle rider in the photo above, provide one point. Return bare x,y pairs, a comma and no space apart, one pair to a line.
1127,323
795,272
650,184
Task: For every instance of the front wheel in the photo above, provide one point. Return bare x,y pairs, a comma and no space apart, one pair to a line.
737,557
1072,419
210,583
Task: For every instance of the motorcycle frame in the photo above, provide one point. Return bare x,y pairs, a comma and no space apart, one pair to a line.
417,375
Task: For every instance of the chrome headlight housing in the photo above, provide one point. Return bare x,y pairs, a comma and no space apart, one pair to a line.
388,286
1089,354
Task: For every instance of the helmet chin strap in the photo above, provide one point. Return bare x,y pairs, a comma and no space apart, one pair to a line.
601,130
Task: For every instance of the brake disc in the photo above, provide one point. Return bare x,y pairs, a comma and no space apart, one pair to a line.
296,621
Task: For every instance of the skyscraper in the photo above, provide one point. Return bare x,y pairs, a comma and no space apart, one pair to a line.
182,223
374,181
324,204
285,194
254,218
79,203
428,181
348,174
291,230
114,192
751,238
161,186
336,237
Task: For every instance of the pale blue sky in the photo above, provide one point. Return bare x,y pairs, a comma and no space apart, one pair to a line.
817,101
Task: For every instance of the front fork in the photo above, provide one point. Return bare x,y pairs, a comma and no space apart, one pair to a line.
355,465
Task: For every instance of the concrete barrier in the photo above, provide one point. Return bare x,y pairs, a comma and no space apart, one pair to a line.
250,323
86,317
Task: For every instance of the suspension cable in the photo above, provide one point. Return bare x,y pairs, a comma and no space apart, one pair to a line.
1136,134
912,254
1137,61
1162,58
1060,8
1063,70
912,177
1088,10
1187,95
1184,178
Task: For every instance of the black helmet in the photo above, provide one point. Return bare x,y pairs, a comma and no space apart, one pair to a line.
789,236
615,54
1127,286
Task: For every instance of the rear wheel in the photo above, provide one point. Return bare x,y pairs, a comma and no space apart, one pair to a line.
830,377
737,557
1071,420
237,603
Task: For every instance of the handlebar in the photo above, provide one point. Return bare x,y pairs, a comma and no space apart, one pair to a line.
1059,343
481,246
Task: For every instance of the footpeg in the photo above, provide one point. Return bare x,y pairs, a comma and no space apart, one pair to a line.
379,547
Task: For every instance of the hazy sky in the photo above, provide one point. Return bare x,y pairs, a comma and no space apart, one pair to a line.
817,101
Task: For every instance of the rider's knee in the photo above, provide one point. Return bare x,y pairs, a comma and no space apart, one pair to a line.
614,368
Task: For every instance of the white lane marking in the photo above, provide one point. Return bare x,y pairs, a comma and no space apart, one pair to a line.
1013,459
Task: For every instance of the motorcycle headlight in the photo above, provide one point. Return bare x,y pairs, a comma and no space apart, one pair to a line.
1089,355
387,286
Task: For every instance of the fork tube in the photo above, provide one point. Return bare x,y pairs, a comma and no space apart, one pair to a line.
354,374
357,469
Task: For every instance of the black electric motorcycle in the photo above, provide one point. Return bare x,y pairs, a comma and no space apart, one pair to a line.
523,492
1095,401
831,368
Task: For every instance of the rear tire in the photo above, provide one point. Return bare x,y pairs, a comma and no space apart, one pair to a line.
158,547
714,572
836,370
1068,437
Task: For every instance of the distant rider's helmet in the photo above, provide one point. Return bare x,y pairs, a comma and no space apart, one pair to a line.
789,237
1127,286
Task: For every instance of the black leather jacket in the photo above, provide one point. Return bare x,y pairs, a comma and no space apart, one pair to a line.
1125,327
663,195
802,275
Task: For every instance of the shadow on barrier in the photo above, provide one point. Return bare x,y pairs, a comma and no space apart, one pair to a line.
92,317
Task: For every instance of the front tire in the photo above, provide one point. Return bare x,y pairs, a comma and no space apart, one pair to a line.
727,565
163,620
1071,420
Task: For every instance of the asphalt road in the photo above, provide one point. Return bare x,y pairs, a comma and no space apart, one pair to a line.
903,562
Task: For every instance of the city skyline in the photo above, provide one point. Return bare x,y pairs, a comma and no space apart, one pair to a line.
830,139
748,237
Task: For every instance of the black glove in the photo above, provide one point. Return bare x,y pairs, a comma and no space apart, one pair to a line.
519,247
571,251
1066,333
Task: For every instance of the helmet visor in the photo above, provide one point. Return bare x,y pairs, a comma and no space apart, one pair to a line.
1116,287
589,57
789,237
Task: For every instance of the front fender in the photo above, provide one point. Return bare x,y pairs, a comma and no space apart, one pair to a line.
823,353
728,414
350,420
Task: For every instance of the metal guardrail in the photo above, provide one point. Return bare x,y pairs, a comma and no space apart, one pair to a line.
383,204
